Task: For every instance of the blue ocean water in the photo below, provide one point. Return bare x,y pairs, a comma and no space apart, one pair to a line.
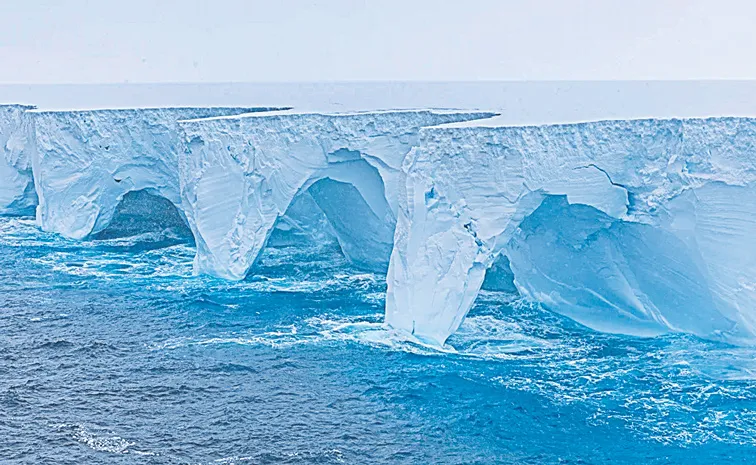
112,352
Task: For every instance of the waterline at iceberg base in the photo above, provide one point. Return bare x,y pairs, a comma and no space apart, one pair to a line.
428,286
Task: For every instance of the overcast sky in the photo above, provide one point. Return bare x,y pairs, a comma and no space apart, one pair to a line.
57,41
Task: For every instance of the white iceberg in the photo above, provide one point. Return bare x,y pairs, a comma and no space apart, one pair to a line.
637,227
633,226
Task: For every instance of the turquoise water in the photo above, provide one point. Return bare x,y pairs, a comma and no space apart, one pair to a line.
112,352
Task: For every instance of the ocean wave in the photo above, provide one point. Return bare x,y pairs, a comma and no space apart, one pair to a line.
100,440
481,337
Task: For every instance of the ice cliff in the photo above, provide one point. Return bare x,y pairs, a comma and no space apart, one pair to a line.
241,174
637,227
17,195
84,162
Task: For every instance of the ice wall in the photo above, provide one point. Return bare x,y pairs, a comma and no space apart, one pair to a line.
17,195
240,175
84,162
637,227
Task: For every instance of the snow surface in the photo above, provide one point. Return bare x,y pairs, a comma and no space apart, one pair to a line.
17,195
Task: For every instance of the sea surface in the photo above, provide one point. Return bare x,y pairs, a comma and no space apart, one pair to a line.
112,352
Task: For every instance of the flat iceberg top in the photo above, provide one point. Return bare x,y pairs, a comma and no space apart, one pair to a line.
518,102
499,121
294,113
209,110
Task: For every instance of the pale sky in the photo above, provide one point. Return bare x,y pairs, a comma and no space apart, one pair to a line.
104,41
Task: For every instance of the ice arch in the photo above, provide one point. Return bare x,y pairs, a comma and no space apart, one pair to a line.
84,162
499,276
355,219
303,224
612,275
143,212
671,197
345,204
360,216
241,174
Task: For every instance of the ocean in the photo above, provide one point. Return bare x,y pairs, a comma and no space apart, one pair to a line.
111,351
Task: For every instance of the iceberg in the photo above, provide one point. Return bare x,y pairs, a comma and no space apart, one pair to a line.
638,227
17,194
240,175
85,162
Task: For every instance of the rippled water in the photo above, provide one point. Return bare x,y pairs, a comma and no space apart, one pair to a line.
112,352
